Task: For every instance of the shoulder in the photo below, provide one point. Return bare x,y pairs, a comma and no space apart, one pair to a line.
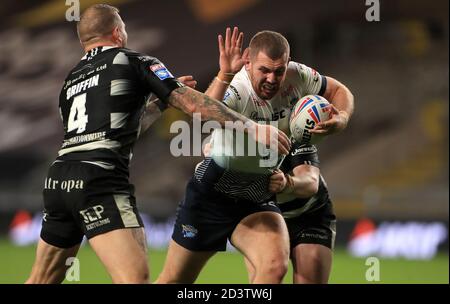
139,57
239,86
296,69
299,72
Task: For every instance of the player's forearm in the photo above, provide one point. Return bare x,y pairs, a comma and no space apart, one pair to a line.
302,186
343,100
218,87
191,101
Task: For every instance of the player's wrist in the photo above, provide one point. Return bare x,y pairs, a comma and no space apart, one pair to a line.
289,186
225,77
344,118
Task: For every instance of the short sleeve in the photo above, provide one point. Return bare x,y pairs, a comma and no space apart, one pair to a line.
154,76
311,81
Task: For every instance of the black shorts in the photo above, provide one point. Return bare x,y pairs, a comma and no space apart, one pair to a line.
84,199
207,218
315,227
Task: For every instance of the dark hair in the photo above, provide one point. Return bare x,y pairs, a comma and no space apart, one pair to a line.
273,44
97,21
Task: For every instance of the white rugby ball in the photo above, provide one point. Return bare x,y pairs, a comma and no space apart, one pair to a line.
306,114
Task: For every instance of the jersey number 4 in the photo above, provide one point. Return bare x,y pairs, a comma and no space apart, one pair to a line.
77,116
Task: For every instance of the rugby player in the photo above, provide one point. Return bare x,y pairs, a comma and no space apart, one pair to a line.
230,197
87,190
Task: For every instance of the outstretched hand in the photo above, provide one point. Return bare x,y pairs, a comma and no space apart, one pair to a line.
231,58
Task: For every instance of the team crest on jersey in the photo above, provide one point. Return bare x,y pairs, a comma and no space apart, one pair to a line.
144,58
315,75
227,94
161,71
189,231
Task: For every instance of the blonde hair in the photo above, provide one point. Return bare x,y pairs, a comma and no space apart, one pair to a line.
97,21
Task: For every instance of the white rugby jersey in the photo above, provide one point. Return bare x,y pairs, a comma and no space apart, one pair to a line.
300,81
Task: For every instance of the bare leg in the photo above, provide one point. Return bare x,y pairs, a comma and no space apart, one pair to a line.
124,254
312,264
183,265
50,264
264,240
250,270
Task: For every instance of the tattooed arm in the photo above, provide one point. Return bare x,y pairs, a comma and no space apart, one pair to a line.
191,101
153,111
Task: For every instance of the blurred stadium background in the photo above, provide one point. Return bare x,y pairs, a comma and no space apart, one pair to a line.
387,173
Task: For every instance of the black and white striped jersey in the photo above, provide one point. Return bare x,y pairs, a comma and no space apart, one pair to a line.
290,205
102,103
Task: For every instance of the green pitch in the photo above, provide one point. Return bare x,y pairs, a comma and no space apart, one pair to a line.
15,264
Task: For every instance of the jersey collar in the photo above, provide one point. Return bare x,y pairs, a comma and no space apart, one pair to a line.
95,51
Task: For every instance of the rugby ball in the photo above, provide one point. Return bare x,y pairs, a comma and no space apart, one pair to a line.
306,114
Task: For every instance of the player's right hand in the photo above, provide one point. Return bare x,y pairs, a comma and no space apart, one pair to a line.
272,138
231,58
337,122
188,80
277,182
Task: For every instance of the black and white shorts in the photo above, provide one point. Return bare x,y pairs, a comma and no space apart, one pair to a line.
82,198
207,217
315,227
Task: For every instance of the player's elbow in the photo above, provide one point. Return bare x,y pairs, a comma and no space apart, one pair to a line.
350,95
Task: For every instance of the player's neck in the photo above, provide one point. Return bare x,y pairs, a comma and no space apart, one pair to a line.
99,44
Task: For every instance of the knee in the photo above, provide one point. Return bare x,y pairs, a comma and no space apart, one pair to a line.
273,270
133,277
163,278
167,280
279,269
168,277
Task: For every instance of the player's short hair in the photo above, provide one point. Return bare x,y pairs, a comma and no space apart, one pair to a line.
273,44
97,21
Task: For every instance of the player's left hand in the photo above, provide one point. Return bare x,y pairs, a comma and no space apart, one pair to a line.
277,181
231,58
188,80
336,123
